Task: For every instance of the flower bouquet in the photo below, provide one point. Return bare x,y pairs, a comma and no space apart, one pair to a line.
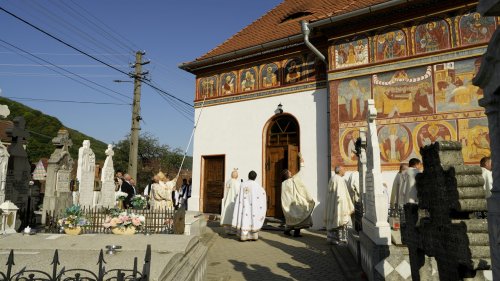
120,196
73,220
123,222
139,202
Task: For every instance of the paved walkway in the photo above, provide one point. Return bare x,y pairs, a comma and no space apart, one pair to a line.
273,257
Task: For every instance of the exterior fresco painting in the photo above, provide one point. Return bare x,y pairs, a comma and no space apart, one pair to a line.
432,36
352,98
351,52
248,80
228,83
475,138
293,71
475,29
404,92
270,75
390,45
453,85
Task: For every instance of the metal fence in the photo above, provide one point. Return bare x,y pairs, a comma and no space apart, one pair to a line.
62,273
156,221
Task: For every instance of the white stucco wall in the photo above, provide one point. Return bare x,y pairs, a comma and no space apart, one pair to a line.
236,131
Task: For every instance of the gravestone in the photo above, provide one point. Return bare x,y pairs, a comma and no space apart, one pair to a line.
107,180
85,174
377,260
442,228
488,79
57,187
18,167
4,159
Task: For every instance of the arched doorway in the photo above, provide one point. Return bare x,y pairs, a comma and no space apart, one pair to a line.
281,148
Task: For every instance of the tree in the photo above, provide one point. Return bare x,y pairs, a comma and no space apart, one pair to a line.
152,157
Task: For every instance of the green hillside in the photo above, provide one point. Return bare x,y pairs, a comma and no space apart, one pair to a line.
43,128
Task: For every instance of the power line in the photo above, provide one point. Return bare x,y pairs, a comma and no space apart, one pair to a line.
53,65
55,75
92,57
68,101
63,42
71,54
78,81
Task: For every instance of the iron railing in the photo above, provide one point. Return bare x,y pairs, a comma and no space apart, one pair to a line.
78,274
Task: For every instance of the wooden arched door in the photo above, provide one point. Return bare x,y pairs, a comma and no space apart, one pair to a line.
281,152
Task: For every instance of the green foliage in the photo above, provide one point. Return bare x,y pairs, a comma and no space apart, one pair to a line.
43,128
152,157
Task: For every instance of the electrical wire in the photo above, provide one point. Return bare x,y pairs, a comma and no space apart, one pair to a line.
65,70
68,101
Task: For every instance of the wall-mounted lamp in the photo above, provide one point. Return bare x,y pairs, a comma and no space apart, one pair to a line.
279,109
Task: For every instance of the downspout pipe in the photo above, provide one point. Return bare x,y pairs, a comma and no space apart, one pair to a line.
306,31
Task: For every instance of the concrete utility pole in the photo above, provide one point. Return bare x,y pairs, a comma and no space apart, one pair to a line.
136,117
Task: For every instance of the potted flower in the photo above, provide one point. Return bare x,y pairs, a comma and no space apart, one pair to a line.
123,222
73,220
120,197
139,202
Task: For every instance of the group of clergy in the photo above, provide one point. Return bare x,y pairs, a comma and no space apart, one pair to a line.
244,205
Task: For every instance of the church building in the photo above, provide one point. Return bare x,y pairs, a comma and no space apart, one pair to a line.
298,80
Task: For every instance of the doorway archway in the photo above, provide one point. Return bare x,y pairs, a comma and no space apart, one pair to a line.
281,148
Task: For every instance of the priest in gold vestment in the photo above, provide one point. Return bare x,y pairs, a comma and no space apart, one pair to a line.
296,202
162,192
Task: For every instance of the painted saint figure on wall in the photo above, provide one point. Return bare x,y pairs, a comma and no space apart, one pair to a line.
475,29
248,80
395,143
228,83
475,138
208,87
391,45
293,71
432,36
270,75
352,52
352,95
430,132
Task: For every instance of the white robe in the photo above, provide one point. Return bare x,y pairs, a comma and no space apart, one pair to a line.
339,205
353,186
296,202
411,186
397,192
231,191
249,210
488,182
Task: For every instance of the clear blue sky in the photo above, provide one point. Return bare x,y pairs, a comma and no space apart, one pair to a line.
170,32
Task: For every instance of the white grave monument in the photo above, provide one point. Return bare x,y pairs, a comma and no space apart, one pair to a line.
4,156
85,174
107,179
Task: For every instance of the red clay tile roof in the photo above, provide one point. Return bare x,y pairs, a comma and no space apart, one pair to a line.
273,25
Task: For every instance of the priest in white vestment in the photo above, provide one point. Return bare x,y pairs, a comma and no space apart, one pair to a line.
485,164
162,192
338,208
249,209
397,192
410,185
231,190
296,202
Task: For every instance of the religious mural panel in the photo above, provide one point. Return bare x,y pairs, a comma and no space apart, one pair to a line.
396,143
474,135
207,87
315,68
228,83
351,52
270,75
426,133
352,98
390,45
347,145
453,85
293,71
404,92
248,80
432,36
474,29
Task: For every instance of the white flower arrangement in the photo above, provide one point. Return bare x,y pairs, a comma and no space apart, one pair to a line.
120,195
